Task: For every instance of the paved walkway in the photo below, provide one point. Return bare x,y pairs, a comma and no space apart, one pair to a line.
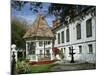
67,66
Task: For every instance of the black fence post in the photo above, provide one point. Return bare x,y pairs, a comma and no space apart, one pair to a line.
13,65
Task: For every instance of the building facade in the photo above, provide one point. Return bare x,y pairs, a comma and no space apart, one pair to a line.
81,34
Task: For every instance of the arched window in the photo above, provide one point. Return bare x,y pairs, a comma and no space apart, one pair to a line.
62,36
89,28
90,48
40,43
58,38
78,31
67,35
80,49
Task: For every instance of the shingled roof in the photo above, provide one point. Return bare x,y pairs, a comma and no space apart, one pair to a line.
39,28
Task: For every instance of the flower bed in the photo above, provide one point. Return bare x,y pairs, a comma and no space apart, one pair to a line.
41,62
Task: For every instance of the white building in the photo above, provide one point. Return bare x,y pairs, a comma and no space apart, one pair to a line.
81,34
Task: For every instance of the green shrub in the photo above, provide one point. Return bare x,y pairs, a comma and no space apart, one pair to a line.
61,54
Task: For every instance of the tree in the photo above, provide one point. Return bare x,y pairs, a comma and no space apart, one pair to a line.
34,6
18,29
64,12
61,11
56,51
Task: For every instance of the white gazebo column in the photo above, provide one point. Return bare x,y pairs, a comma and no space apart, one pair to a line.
26,49
36,51
44,48
36,58
51,52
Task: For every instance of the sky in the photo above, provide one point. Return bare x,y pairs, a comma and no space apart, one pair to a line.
29,16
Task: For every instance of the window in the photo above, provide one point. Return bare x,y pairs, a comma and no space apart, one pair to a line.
64,51
67,35
46,42
53,41
58,38
89,28
47,52
78,30
49,42
40,43
62,36
33,52
80,49
40,52
31,47
70,51
90,48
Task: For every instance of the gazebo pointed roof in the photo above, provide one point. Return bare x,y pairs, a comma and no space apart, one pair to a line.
39,28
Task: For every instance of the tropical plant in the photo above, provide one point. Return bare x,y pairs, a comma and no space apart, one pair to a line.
22,67
61,53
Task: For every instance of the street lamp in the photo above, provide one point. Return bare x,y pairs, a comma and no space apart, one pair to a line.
72,54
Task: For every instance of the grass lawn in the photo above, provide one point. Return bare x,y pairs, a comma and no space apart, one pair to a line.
41,68
25,68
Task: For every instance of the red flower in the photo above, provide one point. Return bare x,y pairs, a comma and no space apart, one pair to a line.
41,62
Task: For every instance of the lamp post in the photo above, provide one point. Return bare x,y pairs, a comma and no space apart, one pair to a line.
13,60
72,54
14,50
13,65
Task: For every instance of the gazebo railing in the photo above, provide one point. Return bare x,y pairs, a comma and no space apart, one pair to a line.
43,57
39,57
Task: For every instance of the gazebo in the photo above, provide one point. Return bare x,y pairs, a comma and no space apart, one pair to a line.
39,40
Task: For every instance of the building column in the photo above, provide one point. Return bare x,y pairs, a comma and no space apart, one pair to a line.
51,54
65,54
